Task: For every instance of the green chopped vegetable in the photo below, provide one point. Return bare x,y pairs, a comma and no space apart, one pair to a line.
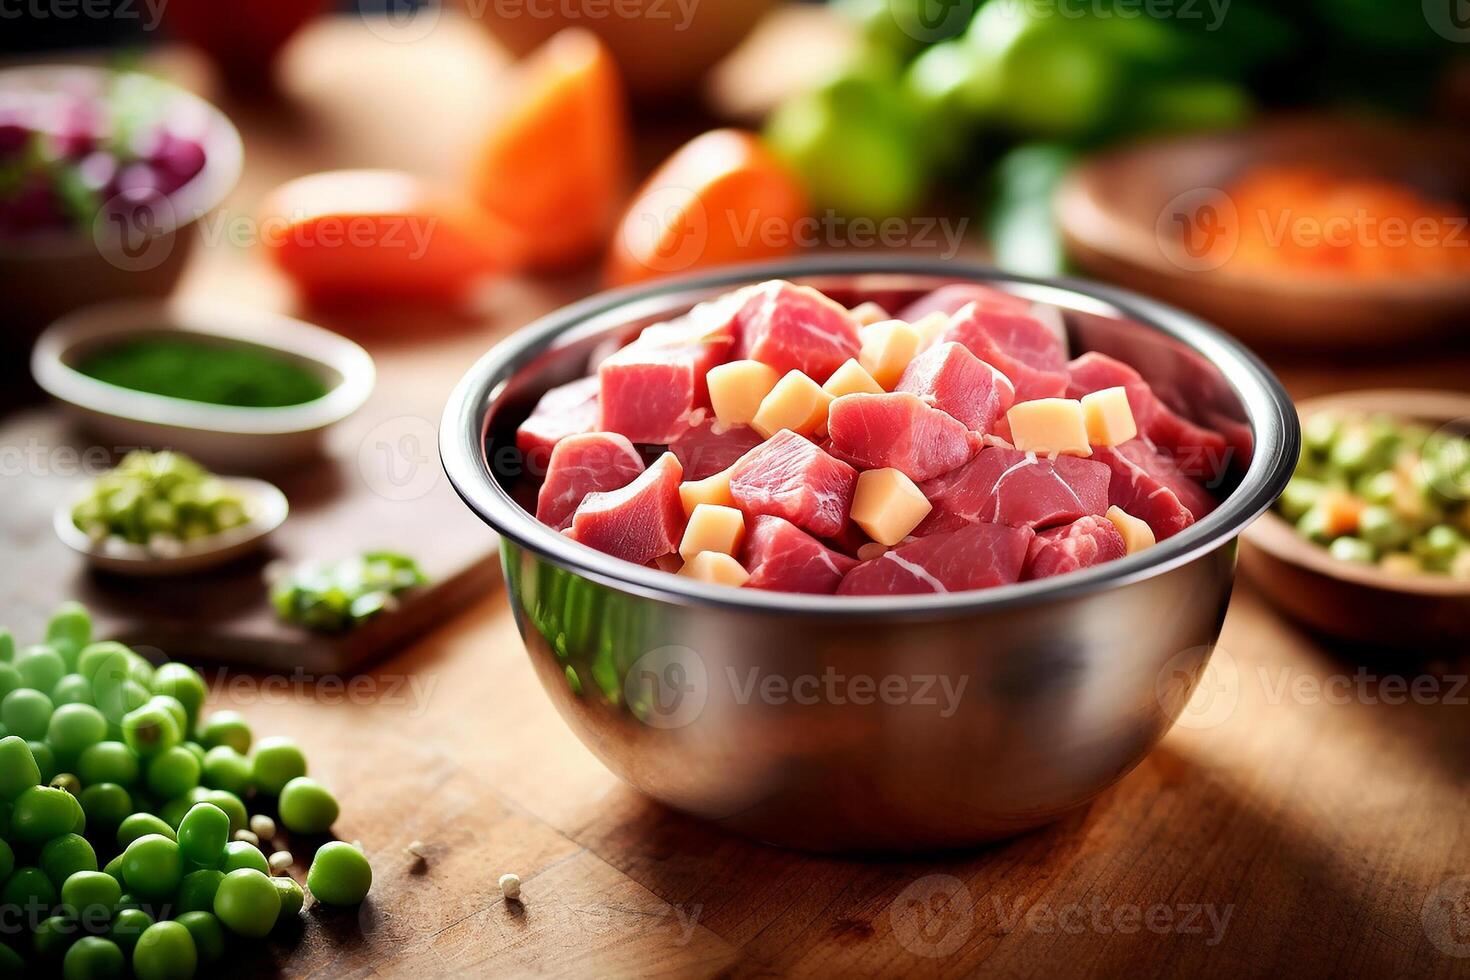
239,375
158,499
342,595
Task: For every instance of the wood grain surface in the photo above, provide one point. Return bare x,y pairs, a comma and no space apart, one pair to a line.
1308,817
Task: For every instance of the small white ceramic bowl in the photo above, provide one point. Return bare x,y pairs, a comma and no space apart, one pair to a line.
220,436
265,510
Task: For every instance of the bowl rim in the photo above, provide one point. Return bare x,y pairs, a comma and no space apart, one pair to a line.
224,160
1274,426
217,321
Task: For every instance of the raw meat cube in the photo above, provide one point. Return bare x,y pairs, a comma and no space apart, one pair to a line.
1148,485
796,328
1202,452
567,410
789,477
592,462
1085,542
709,446
781,557
1020,346
950,378
897,430
976,556
949,300
640,522
1007,486
649,392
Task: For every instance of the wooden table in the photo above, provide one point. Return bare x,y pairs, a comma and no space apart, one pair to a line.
1305,818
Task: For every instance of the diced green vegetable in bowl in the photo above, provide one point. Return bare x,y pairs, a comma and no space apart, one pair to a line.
341,595
1373,489
155,498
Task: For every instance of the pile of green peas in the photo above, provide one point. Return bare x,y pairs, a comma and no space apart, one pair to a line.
1375,490
121,808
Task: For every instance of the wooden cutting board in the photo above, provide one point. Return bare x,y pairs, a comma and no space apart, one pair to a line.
379,486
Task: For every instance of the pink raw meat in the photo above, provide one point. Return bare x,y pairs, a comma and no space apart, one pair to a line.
591,462
563,411
975,556
789,477
949,300
649,390
1020,346
950,378
781,557
1007,486
796,328
897,430
709,446
1085,542
1200,451
1150,486
639,522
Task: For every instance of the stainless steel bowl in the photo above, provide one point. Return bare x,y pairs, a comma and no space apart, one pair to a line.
886,724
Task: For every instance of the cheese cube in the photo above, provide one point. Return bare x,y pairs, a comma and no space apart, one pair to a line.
887,505
797,403
1109,417
887,349
736,389
1136,534
713,566
851,379
712,528
713,490
1049,426
869,312
929,327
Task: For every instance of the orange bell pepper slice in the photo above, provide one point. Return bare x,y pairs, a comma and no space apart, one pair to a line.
719,199
347,237
555,164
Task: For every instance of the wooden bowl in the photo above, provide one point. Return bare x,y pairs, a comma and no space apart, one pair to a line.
1362,603
1119,215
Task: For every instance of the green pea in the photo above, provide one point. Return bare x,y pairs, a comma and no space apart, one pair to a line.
106,805
74,728
42,813
150,729
45,760
7,646
1352,549
72,689
339,874
1438,546
247,903
115,699
208,935
10,679
30,891
173,772
1382,528
87,891
1313,526
94,958
307,807
226,801
242,854
1298,497
127,925
52,938
226,728
184,684
152,866
7,860
97,659
114,869
275,762
197,890
108,762
174,707
165,951
67,855
11,964
26,713
203,834
226,769
292,897
18,769
197,751
140,825
40,667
